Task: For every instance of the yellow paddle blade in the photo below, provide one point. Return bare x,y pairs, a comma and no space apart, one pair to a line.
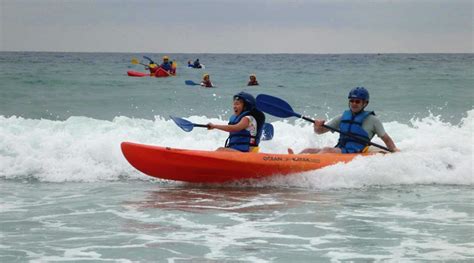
135,61
174,65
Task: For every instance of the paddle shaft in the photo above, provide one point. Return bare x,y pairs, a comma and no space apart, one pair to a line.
349,135
200,125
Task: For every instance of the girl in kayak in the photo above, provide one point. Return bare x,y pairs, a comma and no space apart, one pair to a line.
245,126
206,81
252,80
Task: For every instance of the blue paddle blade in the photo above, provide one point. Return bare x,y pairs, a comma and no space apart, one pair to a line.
267,132
187,126
191,83
275,106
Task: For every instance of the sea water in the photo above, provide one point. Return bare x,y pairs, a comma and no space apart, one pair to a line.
68,194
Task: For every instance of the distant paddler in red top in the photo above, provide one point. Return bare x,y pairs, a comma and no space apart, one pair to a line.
252,80
206,81
245,125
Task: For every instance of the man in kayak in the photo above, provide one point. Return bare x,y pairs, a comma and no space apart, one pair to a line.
206,81
245,125
167,65
356,122
252,80
197,64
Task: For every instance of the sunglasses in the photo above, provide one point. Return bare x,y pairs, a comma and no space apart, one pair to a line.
355,101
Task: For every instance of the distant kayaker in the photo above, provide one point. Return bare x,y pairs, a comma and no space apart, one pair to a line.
245,125
252,80
197,64
206,81
152,67
167,65
356,122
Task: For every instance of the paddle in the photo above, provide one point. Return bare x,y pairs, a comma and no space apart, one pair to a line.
151,60
188,126
136,62
267,133
174,63
280,108
191,83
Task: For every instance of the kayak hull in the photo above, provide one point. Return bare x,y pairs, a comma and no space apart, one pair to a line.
132,73
160,73
219,167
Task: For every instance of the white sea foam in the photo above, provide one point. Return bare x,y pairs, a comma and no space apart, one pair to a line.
88,150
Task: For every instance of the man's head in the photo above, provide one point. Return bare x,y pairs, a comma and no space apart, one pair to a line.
358,99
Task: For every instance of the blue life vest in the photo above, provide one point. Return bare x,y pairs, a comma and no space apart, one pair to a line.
352,124
241,140
166,66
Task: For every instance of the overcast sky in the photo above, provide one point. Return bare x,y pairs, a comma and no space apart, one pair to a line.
238,26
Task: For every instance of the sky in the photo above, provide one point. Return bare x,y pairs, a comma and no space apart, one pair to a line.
238,26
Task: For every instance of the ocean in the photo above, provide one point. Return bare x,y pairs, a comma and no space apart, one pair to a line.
68,194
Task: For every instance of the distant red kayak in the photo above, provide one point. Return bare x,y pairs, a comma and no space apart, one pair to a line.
132,73
160,73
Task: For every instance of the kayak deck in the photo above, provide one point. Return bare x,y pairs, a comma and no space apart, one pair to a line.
219,167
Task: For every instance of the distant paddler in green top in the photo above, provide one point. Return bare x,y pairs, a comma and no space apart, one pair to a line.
356,126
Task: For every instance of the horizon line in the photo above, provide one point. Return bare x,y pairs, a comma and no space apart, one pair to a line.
230,53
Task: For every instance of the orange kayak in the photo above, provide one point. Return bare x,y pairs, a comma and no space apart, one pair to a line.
219,167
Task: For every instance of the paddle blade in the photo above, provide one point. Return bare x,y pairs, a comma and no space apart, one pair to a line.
145,57
135,61
267,132
191,83
275,106
187,126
